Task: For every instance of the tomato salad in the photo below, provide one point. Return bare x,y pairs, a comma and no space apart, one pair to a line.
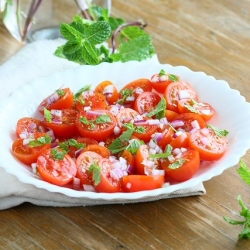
147,135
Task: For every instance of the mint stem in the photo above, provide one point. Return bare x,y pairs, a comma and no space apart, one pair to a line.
136,23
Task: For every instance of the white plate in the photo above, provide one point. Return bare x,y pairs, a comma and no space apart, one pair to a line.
233,114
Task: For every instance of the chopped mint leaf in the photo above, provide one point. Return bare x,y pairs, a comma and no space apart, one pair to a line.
47,115
40,141
219,132
95,170
160,109
177,164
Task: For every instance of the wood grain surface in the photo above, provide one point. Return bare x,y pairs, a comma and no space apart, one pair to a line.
209,36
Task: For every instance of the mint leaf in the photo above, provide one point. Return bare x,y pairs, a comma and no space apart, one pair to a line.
71,47
47,115
81,90
40,141
96,171
160,109
219,132
177,164
70,33
98,32
137,49
89,54
58,154
244,172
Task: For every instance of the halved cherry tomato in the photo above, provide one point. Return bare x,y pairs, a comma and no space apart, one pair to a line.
161,80
146,102
149,131
180,141
108,183
136,183
141,156
165,136
83,162
205,110
173,92
171,115
25,152
60,99
103,151
63,125
130,158
27,126
210,146
189,121
130,91
91,99
183,168
109,90
126,115
97,124
55,171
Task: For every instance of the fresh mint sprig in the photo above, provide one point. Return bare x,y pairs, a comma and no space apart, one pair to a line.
86,37
244,173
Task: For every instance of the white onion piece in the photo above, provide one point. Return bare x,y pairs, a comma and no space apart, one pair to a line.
206,111
24,135
56,112
89,188
108,90
117,130
86,108
130,99
138,91
94,112
157,172
176,151
26,141
195,124
204,131
163,78
184,94
153,122
32,126
171,158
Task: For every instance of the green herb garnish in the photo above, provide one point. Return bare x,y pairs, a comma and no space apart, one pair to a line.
160,109
219,132
40,141
86,37
58,154
47,115
95,170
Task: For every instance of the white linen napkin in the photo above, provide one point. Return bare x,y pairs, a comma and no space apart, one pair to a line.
33,61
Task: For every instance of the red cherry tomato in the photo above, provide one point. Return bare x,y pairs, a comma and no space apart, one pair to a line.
136,183
27,126
171,115
165,136
83,162
210,146
146,102
173,92
180,141
91,99
205,110
183,168
126,115
107,183
90,124
160,81
134,88
60,99
56,171
141,156
62,122
103,151
25,152
109,90
149,131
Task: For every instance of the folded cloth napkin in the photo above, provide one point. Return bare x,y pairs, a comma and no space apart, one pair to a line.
33,61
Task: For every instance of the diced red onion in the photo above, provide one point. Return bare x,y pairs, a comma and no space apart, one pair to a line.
183,150
141,122
153,122
131,169
24,135
117,130
52,98
130,99
176,151
138,91
157,136
78,152
32,126
86,108
94,112
204,131
76,183
108,90
205,141
163,78
171,158
26,141
179,155
177,123
195,124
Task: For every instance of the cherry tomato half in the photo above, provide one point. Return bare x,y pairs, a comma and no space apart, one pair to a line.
136,183
210,146
55,171
60,99
183,168
98,124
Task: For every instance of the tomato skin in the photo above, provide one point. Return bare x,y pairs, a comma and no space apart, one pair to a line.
107,183
136,183
111,98
160,82
206,111
213,150
83,162
141,83
101,131
29,125
57,172
166,137
187,170
149,131
125,115
181,141
103,151
141,155
146,102
67,128
171,115
172,97
27,154
65,101
91,99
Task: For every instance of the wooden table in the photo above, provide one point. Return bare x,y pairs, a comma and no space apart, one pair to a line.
209,36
